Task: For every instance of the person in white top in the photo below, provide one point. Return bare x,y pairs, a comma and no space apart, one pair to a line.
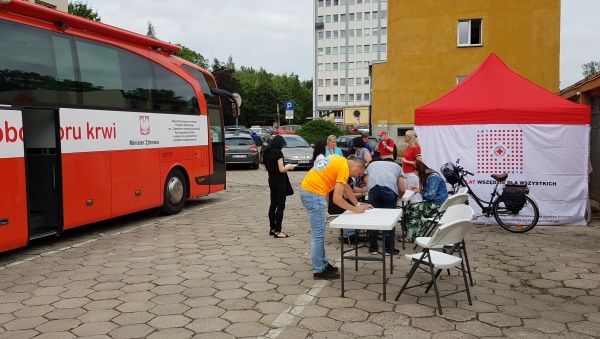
319,151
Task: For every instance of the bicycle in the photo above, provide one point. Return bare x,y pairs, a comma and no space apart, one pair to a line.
519,217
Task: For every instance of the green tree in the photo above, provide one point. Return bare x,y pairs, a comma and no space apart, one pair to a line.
226,80
590,68
192,56
151,30
318,130
84,10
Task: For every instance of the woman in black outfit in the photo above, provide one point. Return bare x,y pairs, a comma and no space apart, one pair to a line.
273,159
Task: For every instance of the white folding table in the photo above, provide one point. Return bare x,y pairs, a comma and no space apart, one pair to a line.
380,219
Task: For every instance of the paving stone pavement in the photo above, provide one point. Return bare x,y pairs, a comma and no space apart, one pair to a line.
213,272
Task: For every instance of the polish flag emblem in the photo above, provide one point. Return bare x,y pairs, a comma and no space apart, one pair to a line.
144,125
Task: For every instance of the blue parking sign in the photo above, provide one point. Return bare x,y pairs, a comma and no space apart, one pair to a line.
289,105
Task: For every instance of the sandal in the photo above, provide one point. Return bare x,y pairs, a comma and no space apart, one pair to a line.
280,235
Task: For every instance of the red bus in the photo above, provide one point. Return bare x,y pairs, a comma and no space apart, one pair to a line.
98,122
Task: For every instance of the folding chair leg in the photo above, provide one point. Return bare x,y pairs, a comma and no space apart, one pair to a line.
409,276
437,293
464,249
462,267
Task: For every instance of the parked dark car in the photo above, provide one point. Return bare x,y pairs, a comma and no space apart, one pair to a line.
241,149
343,142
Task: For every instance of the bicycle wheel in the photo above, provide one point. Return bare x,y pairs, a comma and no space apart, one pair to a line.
516,222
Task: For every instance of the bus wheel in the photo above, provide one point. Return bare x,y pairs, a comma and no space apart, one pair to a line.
175,188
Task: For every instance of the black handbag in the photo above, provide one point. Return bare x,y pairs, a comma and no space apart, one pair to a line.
288,186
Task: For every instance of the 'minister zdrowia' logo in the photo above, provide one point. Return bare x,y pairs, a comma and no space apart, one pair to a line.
500,151
144,124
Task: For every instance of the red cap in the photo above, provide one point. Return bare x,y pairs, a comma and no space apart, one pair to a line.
382,133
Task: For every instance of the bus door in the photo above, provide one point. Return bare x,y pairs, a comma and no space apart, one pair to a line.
217,140
44,180
13,199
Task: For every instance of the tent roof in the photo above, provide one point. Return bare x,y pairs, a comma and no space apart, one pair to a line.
495,94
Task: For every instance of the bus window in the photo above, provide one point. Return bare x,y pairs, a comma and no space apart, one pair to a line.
35,65
173,93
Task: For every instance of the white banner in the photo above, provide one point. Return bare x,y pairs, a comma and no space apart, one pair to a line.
88,130
551,159
11,134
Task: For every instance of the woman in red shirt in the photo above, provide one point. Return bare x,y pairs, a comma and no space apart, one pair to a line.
411,154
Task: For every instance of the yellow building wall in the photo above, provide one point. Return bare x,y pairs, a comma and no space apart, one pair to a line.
424,60
350,119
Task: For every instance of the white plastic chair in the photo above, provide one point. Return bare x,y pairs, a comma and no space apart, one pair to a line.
449,233
456,212
452,200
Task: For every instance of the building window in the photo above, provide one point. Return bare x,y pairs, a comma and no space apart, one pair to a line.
383,14
375,31
342,49
335,34
335,66
327,50
469,32
367,80
320,18
320,82
359,16
319,67
343,17
350,65
320,2
383,30
366,96
351,17
335,98
460,78
335,82
343,82
320,34
350,49
335,18
335,2
328,97
367,15
342,33
350,81
375,48
367,48
327,3
358,48
375,15
335,51
358,65
328,67
359,32
383,48
328,34
320,98
358,2
358,79
328,19
358,97
342,65
342,97
320,51
350,97
327,82
367,31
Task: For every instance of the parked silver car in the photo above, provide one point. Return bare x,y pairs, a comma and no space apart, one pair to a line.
297,151
241,149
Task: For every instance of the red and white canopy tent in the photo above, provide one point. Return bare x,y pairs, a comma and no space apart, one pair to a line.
496,121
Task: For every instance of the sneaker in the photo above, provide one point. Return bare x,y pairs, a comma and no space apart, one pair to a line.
331,268
326,275
394,252
373,252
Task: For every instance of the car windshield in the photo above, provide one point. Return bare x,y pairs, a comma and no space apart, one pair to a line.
238,142
295,142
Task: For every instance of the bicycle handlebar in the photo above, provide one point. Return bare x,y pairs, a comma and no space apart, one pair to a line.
461,168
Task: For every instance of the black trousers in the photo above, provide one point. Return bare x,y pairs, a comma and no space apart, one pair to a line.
278,195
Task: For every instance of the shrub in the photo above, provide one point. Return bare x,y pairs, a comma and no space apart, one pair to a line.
318,130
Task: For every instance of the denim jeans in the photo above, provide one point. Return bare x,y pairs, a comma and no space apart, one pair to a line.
382,197
316,206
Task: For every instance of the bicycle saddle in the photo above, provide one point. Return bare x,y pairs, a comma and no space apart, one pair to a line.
499,177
